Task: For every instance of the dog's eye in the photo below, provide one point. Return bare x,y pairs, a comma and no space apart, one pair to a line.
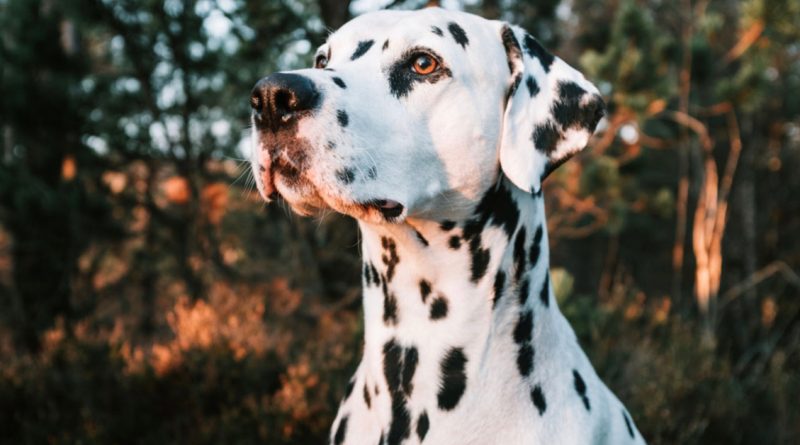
424,64
321,61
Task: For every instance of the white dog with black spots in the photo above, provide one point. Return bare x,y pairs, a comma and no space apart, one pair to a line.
435,129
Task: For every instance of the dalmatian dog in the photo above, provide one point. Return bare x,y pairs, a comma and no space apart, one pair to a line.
434,129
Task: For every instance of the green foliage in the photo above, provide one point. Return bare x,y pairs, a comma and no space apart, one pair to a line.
636,60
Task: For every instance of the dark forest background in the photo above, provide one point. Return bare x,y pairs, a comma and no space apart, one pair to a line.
148,296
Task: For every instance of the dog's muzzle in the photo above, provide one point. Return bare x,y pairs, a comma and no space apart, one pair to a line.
278,102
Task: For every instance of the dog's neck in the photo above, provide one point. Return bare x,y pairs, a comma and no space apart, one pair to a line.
443,300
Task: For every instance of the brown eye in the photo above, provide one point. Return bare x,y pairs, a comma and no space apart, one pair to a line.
424,64
321,61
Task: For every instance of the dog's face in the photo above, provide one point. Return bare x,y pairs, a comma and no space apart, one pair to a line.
413,114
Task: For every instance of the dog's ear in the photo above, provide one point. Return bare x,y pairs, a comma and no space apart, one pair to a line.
551,111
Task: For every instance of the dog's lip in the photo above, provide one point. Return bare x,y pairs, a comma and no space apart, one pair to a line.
389,208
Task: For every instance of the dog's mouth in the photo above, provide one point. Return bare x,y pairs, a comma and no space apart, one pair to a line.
372,211
390,209
307,199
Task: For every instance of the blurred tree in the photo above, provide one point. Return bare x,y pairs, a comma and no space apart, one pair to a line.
48,173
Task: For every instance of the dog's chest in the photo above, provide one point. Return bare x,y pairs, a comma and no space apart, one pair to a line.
423,394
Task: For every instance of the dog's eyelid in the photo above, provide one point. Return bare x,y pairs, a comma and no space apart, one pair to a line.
410,55
421,50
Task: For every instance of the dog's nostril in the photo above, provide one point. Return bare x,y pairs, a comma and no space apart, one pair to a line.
256,103
283,101
280,98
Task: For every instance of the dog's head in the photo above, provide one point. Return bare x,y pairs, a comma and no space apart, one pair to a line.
415,114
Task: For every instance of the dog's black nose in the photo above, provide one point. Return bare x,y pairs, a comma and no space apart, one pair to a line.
279,99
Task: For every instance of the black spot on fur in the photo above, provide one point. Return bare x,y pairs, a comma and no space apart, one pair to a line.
421,238
458,34
367,398
403,79
338,81
544,294
580,387
389,309
519,254
537,51
422,426
523,333
392,354
499,285
362,49
480,261
524,291
400,428
525,359
436,30
376,278
341,431
533,87
447,225
454,242
346,176
511,44
399,366
330,145
389,257
385,45
372,172
424,290
439,308
453,380
371,276
410,360
536,247
342,117
524,328
546,137
537,396
628,423
497,207
569,110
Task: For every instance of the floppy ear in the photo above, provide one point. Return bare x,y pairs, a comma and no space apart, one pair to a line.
551,111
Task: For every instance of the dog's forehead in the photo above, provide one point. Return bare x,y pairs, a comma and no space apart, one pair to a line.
452,28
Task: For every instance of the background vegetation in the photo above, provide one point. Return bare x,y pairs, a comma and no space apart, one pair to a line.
147,296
